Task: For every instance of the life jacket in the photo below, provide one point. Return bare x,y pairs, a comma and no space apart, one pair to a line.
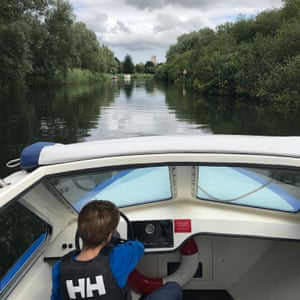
90,280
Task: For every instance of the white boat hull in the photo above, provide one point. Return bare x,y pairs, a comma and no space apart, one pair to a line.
236,197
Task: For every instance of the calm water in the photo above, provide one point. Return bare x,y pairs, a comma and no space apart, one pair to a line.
120,109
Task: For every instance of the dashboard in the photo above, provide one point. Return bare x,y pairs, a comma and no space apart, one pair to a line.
152,233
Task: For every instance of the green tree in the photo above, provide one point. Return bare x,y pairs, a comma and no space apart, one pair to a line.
39,43
86,48
190,41
150,67
16,18
52,43
243,30
291,9
14,54
59,44
140,68
107,60
268,22
88,54
128,67
287,41
282,83
14,10
252,57
184,43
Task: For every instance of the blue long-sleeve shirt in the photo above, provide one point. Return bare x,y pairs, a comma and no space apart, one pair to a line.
123,259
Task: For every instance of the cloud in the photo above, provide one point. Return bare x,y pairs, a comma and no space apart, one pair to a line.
200,5
95,21
166,22
171,23
145,4
142,28
121,27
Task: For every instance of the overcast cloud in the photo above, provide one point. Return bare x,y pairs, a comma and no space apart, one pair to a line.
143,28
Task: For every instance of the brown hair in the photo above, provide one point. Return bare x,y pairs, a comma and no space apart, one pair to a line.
96,221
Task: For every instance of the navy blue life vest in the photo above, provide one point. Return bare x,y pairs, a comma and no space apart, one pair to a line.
89,280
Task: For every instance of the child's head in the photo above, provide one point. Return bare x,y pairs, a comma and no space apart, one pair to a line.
96,221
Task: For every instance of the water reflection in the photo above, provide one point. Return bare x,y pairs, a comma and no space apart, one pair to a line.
132,108
141,109
62,115
231,116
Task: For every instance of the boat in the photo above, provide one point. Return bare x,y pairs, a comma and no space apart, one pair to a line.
219,214
127,77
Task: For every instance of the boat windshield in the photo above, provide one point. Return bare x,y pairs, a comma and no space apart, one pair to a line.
263,187
123,187
277,189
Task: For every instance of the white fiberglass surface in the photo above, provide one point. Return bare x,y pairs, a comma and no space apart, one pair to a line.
264,188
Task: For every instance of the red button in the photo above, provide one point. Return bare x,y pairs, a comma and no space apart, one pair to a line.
183,225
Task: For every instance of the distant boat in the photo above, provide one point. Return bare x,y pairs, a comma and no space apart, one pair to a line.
127,77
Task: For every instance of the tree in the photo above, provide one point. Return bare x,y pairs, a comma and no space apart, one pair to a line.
140,68
281,84
291,9
59,44
52,43
243,30
39,43
86,54
185,42
150,67
268,22
16,18
14,54
14,10
107,60
128,67
253,57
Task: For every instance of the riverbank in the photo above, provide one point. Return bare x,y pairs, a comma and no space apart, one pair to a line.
76,76
73,76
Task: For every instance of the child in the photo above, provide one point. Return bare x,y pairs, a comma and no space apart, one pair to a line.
98,272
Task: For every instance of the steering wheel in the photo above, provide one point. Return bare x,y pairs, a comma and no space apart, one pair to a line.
116,239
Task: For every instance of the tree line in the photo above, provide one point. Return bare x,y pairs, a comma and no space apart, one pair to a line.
128,67
40,42
253,58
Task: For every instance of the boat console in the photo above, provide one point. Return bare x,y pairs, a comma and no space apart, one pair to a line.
153,233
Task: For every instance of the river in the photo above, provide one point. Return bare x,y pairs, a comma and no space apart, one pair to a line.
122,109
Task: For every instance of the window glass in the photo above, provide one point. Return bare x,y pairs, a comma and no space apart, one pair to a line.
123,187
21,233
276,189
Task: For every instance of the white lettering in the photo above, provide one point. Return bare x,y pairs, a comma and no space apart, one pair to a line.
72,289
97,286
85,284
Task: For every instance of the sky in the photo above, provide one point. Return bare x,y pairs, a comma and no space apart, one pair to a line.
146,28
